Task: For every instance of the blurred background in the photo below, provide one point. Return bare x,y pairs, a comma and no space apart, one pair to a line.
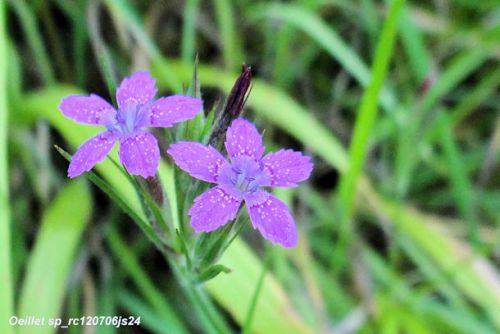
396,101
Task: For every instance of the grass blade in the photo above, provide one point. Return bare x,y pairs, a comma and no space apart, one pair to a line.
415,49
149,319
115,197
189,31
460,183
39,53
274,313
247,326
124,11
50,261
366,118
328,39
461,66
6,292
475,277
133,268
232,53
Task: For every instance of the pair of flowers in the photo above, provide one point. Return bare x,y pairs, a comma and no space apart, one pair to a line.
238,180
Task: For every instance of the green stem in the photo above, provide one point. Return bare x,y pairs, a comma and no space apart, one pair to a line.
130,263
209,315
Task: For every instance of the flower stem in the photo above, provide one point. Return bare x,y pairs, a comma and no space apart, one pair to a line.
208,314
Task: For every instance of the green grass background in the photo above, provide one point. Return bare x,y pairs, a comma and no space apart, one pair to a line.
396,101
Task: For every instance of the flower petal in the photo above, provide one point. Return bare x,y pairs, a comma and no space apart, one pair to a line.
286,168
200,161
272,218
167,111
212,209
139,87
140,154
243,138
90,153
87,109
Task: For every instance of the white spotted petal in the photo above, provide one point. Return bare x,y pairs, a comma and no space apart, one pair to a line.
272,218
139,88
90,153
200,161
212,209
286,168
140,154
167,111
87,109
243,139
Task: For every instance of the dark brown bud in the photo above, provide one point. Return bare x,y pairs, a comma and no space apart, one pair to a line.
234,105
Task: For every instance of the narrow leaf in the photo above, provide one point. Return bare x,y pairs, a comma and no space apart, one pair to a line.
53,254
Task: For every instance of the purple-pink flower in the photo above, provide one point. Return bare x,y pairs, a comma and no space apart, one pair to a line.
139,151
240,180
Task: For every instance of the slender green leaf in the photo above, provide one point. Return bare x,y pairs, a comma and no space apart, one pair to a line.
6,292
212,272
124,11
247,325
228,34
472,273
366,118
53,254
328,39
149,318
460,183
32,32
188,48
156,298
273,311
108,190
415,49
460,66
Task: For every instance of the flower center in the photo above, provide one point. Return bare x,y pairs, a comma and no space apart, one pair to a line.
243,182
127,119
245,174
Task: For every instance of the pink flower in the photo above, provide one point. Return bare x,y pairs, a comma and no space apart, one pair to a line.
139,151
241,180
